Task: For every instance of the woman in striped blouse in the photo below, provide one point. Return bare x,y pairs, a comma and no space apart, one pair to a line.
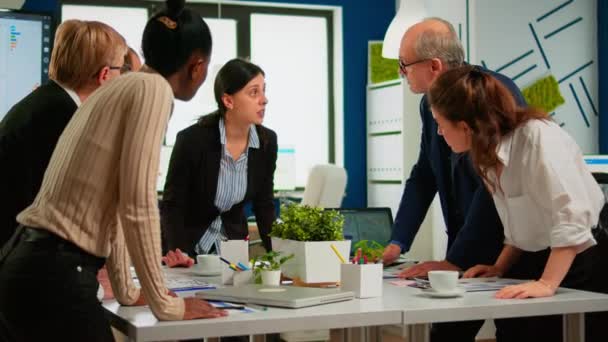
218,164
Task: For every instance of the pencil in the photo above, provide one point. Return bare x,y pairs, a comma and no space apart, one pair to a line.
338,253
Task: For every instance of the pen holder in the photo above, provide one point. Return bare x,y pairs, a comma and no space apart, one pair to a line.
234,251
242,278
364,280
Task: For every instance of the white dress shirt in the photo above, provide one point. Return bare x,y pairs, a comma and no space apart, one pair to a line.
547,196
72,93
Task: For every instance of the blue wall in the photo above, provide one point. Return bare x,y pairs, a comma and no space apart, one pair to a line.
362,20
602,52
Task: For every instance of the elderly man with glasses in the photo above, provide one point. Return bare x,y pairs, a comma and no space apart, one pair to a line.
475,234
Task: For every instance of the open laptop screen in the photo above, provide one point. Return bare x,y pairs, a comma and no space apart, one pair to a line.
367,224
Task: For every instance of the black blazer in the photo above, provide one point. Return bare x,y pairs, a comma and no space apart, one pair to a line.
28,135
188,206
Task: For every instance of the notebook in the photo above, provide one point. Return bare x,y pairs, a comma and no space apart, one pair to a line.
284,296
374,224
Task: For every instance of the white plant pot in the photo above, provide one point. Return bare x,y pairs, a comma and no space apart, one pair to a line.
271,278
364,280
313,261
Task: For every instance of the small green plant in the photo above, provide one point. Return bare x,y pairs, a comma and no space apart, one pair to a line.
372,250
304,223
271,261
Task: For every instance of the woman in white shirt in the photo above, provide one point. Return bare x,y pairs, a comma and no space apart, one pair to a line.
546,197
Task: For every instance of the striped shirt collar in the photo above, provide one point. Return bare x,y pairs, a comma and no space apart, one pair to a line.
254,139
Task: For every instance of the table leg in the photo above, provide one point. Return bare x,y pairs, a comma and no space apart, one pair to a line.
574,327
373,334
418,333
363,334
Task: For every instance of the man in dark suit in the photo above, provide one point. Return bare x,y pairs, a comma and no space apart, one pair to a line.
475,234
30,130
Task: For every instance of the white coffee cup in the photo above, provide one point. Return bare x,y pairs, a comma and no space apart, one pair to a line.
208,262
443,281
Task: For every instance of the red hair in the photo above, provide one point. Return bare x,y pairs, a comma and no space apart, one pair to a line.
469,94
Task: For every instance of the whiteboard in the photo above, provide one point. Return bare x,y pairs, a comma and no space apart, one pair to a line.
292,50
128,21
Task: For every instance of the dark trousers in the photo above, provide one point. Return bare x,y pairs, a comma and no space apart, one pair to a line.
542,328
48,290
455,331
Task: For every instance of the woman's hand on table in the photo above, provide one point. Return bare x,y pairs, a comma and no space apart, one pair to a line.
534,289
198,308
178,259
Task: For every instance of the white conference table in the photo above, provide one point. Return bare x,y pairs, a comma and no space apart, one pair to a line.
398,306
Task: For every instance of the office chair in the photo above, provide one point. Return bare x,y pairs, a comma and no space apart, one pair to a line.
325,186
595,322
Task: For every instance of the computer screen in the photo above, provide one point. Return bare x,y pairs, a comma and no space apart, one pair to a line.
25,49
374,224
597,162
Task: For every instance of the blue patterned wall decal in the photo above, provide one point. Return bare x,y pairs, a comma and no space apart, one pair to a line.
578,103
575,71
523,72
549,35
460,31
542,52
588,95
554,10
515,61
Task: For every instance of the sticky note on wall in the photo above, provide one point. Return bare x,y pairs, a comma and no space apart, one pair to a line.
544,94
381,69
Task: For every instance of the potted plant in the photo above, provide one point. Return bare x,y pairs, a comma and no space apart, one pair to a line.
367,251
267,268
308,233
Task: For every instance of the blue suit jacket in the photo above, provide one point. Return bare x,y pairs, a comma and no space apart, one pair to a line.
475,233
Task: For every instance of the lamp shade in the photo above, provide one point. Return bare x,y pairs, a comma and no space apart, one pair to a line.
12,4
409,13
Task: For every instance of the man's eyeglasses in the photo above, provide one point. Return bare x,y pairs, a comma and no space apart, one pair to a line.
403,65
123,69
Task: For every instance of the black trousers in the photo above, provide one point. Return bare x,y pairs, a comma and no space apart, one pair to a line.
48,290
455,331
542,328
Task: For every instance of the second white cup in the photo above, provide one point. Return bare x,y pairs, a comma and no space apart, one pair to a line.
208,262
443,281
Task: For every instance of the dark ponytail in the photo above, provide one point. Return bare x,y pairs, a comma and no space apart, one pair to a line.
175,8
171,36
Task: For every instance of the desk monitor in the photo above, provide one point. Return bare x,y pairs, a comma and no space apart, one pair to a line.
25,50
367,224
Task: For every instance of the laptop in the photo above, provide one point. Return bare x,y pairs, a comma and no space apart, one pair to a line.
284,296
373,224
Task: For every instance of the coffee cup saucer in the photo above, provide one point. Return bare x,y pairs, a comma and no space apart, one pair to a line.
206,272
457,292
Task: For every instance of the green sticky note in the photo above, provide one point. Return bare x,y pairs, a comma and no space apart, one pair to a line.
544,94
381,69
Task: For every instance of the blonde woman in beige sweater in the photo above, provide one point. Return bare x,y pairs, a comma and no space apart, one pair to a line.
97,204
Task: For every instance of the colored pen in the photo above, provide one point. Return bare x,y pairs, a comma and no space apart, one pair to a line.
231,265
230,307
338,253
243,267
193,288
257,307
